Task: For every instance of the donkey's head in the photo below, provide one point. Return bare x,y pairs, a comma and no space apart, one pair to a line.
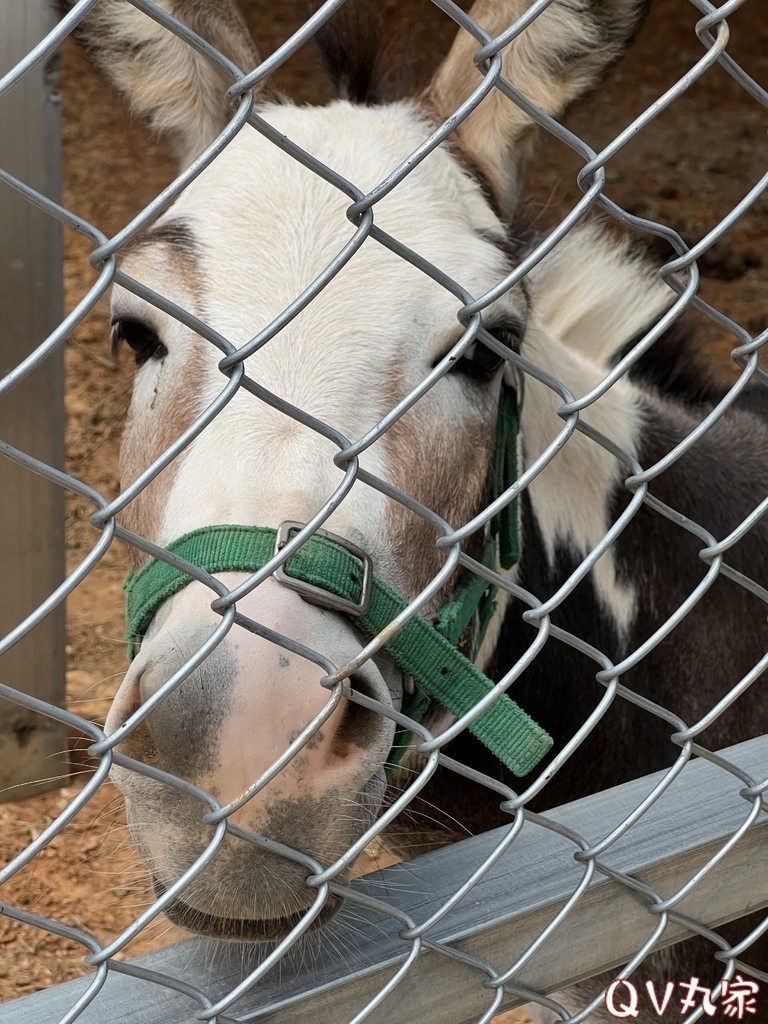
237,248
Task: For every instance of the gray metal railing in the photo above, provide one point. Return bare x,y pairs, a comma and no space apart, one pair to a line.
32,414
511,906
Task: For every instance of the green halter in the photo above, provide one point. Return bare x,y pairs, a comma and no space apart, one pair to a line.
330,571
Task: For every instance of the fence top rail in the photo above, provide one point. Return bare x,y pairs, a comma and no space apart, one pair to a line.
506,910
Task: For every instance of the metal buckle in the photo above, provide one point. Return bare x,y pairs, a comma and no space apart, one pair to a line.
316,595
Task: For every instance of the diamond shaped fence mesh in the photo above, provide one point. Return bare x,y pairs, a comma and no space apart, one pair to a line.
521,394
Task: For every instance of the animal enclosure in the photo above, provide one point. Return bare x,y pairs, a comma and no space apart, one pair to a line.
672,173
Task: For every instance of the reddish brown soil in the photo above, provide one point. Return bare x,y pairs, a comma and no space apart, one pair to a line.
687,169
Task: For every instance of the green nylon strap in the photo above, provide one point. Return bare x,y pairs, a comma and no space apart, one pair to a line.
504,544
506,525
454,617
428,654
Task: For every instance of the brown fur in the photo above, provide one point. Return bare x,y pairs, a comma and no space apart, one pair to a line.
167,82
140,447
560,55
459,474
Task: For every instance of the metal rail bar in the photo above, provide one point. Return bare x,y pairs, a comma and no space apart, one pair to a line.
508,909
32,747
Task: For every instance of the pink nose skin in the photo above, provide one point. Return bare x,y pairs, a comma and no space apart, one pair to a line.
236,714
221,729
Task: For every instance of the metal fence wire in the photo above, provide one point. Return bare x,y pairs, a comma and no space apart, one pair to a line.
551,898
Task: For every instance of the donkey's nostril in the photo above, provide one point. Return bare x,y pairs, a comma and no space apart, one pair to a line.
146,684
359,727
132,705
138,741
126,702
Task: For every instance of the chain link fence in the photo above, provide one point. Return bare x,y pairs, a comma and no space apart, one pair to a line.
554,896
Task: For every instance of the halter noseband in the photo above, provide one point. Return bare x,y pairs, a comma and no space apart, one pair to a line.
329,571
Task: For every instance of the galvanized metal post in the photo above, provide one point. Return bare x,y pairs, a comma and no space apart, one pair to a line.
32,748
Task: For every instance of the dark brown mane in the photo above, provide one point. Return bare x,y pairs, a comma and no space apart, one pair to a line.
358,56
675,368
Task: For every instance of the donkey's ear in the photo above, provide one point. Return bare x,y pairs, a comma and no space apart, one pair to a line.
173,87
560,55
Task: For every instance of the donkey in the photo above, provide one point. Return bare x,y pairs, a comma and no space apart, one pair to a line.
246,237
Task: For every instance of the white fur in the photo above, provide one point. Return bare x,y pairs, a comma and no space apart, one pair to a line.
570,497
265,240
594,293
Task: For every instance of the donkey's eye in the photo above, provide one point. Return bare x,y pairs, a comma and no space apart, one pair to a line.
480,362
141,337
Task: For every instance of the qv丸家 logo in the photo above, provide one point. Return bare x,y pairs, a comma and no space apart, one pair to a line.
736,1001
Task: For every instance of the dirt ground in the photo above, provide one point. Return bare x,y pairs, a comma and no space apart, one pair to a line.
687,169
